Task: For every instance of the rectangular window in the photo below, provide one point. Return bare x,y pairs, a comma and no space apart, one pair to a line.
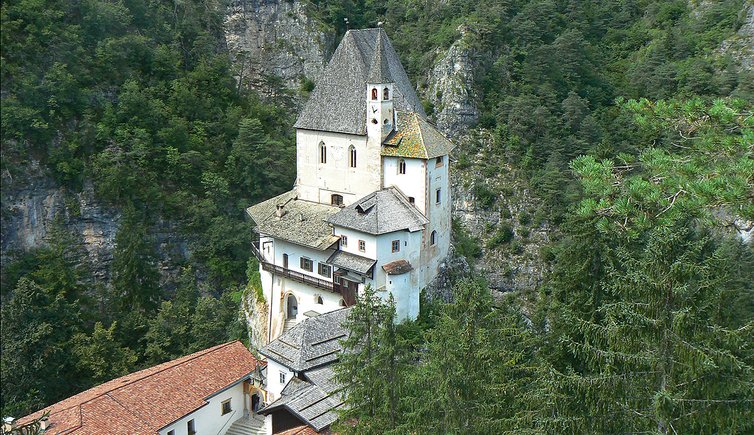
411,200
324,269
337,279
282,377
307,264
226,407
171,432
438,162
396,245
343,241
191,427
362,246
401,166
438,196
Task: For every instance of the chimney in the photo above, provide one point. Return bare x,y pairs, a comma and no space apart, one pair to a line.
279,212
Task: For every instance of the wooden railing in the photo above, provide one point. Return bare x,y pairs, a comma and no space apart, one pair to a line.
297,276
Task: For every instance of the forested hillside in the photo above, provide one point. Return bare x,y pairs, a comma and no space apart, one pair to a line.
645,315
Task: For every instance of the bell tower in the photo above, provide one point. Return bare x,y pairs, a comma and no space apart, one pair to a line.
380,87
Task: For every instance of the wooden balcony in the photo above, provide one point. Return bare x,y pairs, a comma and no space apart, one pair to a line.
297,276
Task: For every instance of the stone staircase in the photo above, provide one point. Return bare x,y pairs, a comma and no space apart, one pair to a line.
250,425
288,325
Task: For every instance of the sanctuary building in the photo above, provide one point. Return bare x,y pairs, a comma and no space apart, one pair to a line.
371,201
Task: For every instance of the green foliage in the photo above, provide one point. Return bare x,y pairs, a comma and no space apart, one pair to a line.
135,275
503,235
642,312
464,243
100,354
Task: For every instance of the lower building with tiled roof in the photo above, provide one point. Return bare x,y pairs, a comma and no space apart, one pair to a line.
203,393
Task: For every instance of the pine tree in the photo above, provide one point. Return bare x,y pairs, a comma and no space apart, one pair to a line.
370,367
135,275
644,332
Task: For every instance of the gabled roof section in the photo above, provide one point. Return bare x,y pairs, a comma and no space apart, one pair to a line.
148,400
352,262
312,343
301,222
338,101
398,267
313,401
380,212
415,138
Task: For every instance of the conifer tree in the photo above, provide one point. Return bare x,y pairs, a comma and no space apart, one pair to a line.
370,367
646,336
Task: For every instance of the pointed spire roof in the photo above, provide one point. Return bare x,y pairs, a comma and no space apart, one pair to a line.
338,101
379,72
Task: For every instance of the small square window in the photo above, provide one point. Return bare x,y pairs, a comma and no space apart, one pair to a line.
343,241
226,407
324,269
191,427
282,377
396,245
438,162
411,200
362,246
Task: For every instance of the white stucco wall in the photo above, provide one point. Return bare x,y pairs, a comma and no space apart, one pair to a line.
412,183
274,386
353,238
209,419
439,220
317,181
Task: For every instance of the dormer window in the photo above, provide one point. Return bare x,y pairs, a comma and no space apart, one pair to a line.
374,93
322,152
352,156
386,94
401,166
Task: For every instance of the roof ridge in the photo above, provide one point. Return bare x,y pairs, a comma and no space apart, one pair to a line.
130,381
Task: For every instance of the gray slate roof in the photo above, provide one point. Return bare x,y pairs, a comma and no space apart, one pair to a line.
303,222
312,343
380,212
353,262
338,101
379,72
314,401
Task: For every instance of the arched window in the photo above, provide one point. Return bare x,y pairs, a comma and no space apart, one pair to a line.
386,94
375,121
401,166
352,156
374,93
336,199
433,238
319,300
322,152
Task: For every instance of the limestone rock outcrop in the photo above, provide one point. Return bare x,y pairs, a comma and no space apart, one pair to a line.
275,38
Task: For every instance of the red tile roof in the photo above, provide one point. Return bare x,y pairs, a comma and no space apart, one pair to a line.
146,401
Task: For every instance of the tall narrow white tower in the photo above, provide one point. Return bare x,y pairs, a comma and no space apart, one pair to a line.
380,86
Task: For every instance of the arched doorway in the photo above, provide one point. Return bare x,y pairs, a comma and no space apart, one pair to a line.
292,311
256,400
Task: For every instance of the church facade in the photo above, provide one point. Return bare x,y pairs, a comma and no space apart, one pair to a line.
371,201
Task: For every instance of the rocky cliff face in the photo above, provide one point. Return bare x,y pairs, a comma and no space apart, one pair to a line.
33,202
741,45
275,38
450,85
